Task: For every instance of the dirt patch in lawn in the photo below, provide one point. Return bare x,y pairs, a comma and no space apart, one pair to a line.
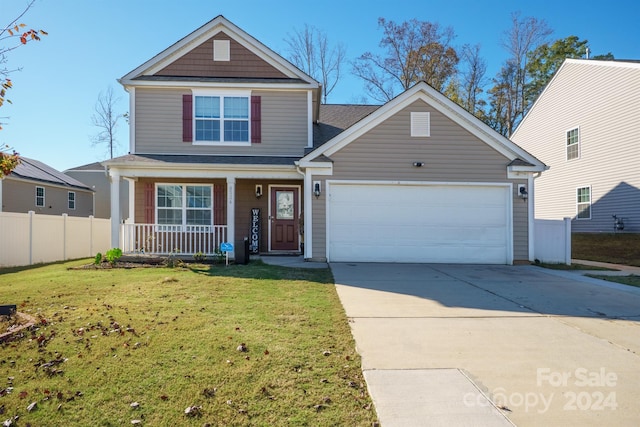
13,324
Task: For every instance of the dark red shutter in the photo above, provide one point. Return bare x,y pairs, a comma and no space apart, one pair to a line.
187,118
149,203
220,204
256,120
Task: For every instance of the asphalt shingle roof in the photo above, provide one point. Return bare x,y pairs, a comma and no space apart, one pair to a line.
335,118
37,171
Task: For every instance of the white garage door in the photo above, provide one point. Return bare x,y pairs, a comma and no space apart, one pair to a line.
419,223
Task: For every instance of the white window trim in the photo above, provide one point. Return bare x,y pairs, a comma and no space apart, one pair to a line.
69,200
44,195
183,226
578,203
222,94
579,144
420,124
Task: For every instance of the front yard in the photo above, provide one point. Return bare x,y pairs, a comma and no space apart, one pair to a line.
239,345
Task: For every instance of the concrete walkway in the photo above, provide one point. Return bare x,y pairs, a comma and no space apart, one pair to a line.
292,261
463,345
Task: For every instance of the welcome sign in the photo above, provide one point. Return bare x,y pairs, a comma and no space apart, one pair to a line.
254,232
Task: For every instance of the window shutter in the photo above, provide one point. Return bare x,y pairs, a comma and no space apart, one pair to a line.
187,118
256,120
219,204
149,205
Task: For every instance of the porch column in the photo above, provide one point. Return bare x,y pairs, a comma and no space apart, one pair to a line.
115,208
231,212
132,200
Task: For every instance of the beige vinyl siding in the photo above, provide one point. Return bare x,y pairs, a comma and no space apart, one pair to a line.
450,154
99,181
159,125
20,196
603,101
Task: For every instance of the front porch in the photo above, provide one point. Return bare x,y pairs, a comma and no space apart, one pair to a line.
179,208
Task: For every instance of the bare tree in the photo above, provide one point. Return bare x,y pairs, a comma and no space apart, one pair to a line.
12,35
106,120
414,51
310,50
472,78
525,35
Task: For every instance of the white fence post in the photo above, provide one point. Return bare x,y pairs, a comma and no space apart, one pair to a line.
31,213
567,240
65,239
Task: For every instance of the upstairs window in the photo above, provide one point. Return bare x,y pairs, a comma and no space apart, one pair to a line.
583,203
573,144
40,197
222,119
71,200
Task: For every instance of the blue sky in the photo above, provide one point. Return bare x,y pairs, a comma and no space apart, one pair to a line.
91,43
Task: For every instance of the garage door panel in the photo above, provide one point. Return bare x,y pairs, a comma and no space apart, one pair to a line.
425,223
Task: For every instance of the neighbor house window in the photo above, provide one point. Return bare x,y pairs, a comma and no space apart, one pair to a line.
583,202
573,144
221,118
180,204
71,200
40,197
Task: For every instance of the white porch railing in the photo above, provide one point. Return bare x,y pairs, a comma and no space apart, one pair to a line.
159,239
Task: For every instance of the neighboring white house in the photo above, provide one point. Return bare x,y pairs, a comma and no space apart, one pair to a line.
585,127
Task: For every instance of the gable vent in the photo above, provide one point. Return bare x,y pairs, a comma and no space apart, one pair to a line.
420,124
221,50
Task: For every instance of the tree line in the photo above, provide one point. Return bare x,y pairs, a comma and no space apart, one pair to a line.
414,51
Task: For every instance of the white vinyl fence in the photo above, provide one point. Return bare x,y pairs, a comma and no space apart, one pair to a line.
29,238
553,241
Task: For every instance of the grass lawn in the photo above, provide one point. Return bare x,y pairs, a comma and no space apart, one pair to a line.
631,280
116,346
620,248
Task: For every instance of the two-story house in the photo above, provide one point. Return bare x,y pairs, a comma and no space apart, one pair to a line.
584,125
38,187
229,140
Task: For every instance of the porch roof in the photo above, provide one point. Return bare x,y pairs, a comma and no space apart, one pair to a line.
173,159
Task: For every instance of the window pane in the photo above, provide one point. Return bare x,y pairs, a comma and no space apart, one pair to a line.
198,217
573,150
236,108
169,216
198,196
169,196
584,210
207,106
207,130
236,130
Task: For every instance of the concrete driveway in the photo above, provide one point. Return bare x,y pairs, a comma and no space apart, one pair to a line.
494,345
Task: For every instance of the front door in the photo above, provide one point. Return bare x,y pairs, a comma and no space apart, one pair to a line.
284,218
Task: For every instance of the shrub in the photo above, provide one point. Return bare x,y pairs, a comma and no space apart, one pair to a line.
113,255
199,256
98,259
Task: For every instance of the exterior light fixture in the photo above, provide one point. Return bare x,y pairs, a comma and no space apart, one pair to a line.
522,192
418,164
258,191
316,189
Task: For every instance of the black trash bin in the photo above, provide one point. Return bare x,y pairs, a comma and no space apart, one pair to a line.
242,252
